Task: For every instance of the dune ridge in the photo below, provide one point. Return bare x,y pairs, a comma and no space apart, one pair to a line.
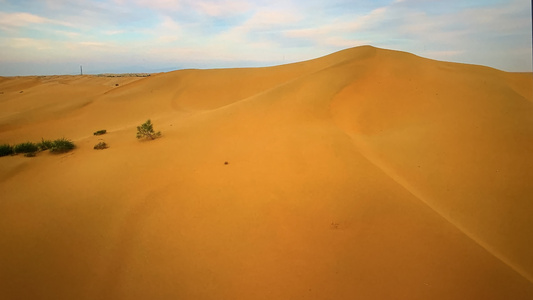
366,173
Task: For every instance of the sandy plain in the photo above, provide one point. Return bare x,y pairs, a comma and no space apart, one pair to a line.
364,174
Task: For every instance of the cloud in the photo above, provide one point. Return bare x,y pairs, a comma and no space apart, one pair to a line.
340,32
271,19
341,42
259,31
446,54
94,44
508,17
214,8
221,8
113,32
168,25
21,19
161,4
27,43
463,32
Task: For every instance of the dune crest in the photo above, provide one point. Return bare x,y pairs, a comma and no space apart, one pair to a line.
367,173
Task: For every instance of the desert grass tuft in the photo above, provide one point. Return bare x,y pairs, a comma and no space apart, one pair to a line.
100,132
101,146
6,150
27,147
45,144
62,145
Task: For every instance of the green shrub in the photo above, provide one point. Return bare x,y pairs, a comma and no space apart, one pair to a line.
25,148
147,130
45,144
100,132
6,149
100,146
62,145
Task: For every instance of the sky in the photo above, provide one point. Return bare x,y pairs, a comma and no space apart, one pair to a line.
52,37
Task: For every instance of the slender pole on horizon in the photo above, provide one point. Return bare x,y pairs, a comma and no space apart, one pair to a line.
81,70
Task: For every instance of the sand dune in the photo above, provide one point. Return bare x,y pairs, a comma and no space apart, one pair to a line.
364,174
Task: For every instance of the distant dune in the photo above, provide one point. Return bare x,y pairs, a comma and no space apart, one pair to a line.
364,174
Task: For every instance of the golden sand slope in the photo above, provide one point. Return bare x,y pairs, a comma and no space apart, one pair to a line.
365,174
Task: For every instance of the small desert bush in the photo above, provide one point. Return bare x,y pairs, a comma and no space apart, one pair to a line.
30,154
62,145
100,146
27,147
45,144
6,149
147,130
100,132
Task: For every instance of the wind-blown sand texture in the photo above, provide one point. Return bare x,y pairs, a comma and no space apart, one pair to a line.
364,174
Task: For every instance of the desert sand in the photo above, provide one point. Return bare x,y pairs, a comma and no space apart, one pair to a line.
364,174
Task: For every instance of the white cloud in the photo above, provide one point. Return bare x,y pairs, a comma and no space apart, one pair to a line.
270,19
221,8
446,54
162,5
28,43
24,19
248,33
205,7
165,32
368,20
479,34
113,32
169,25
94,44
340,42
339,33
166,39
508,17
